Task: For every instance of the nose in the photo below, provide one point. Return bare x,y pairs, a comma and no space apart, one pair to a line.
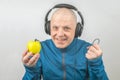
60,33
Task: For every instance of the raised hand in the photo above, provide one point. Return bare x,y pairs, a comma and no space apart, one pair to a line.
29,59
93,52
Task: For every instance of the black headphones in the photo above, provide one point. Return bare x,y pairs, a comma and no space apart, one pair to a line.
79,27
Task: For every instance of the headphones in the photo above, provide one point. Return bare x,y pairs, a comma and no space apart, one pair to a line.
79,26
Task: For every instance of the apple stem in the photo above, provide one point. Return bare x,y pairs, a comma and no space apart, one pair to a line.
36,40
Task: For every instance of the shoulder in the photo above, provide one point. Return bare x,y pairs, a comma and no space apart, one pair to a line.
82,42
82,45
46,42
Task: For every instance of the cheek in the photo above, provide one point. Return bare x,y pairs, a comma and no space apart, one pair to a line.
53,33
72,34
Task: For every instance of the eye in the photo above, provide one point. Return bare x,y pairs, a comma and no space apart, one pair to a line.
55,28
66,28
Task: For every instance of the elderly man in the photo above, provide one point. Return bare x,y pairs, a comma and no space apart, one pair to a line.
64,56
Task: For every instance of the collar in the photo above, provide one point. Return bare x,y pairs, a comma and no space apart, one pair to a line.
70,47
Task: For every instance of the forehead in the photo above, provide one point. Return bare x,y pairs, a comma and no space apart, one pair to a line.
64,14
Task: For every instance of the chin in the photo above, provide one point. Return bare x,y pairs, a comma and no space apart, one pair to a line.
60,46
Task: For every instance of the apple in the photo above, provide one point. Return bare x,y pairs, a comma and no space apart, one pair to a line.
34,46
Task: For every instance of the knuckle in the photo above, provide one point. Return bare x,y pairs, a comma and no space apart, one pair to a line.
24,60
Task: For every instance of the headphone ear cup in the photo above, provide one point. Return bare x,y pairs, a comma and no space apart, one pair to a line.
47,27
79,29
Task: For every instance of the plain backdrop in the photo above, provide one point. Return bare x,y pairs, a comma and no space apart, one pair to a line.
23,20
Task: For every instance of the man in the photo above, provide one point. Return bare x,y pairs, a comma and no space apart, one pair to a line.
64,56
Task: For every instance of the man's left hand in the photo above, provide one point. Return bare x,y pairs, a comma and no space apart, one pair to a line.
93,52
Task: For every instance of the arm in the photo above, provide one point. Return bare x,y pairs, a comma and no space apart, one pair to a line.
95,63
32,66
96,69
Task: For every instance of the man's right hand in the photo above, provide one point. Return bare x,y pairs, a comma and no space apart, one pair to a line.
29,59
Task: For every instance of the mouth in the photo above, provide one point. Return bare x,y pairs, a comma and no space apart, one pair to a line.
61,40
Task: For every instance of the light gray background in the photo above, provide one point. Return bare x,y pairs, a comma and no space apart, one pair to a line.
23,20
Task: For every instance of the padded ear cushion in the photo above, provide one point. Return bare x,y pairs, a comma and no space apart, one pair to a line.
47,27
79,29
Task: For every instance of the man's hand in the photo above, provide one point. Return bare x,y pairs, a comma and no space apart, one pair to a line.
29,59
93,52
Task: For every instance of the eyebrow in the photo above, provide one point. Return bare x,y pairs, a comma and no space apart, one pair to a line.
66,27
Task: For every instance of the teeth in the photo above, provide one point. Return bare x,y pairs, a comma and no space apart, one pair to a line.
61,39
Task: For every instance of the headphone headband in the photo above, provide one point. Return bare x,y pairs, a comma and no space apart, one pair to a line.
66,6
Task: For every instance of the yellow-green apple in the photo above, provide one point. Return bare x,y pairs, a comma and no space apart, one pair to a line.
34,46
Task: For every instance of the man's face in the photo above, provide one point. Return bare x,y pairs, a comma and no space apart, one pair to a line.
62,28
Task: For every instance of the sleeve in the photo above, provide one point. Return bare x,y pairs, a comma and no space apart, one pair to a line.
96,69
33,73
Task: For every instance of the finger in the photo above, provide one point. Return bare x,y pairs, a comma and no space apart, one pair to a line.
26,58
93,49
96,46
88,56
37,59
25,52
93,55
34,59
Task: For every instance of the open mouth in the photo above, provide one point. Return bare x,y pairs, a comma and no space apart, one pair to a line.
61,40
